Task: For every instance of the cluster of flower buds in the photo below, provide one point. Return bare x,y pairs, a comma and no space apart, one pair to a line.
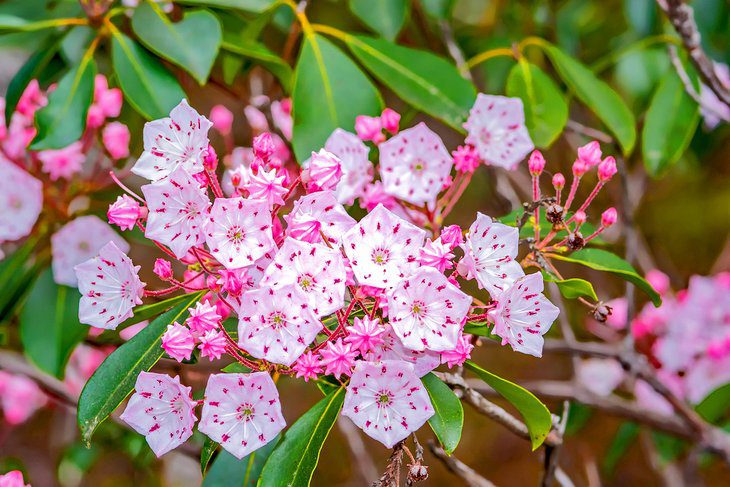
375,303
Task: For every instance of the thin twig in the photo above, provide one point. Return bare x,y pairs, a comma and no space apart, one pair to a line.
454,50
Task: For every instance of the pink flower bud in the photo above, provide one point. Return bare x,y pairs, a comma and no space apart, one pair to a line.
124,212
580,168
163,269
263,146
580,217
222,119
256,119
369,128
536,163
110,102
277,229
607,169
658,280
232,281
590,154
452,236
178,342
201,178
116,140
558,181
324,170
609,217
303,227
466,158
210,159
390,120
95,117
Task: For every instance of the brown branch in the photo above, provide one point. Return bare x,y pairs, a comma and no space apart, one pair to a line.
552,453
15,363
391,476
462,470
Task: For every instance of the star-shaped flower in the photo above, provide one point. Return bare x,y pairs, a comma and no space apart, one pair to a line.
357,170
266,186
21,201
318,213
392,348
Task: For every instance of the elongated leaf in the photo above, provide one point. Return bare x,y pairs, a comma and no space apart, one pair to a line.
573,288
116,376
535,413
49,324
146,85
293,461
546,111
262,55
385,17
192,43
18,272
598,96
715,405
151,310
228,470
206,454
428,82
440,9
670,123
63,120
254,6
602,260
448,418
76,42
329,92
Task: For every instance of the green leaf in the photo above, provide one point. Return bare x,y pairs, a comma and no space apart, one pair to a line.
76,42
385,17
262,55
254,6
448,418
546,111
146,85
18,272
116,376
715,405
147,311
329,92
49,325
440,9
602,260
206,454
228,470
625,437
573,288
63,120
597,95
192,43
536,415
428,82
670,123
293,461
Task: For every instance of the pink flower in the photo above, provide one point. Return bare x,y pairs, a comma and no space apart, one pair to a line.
490,251
369,128
374,195
242,412
178,342
387,401
256,119
713,110
460,354
163,269
108,100
558,181
13,479
267,187
659,281
233,281
357,170
62,163
466,158
203,318
316,269
536,163
179,140
590,154
390,120
239,231
607,169
20,133
609,217
496,127
523,315
237,178
212,344
649,399
599,376
617,318
315,213
338,358
178,211
21,201
78,241
579,168
281,115
308,366
116,140
452,236
124,212
364,334
436,254
383,248
324,171
392,349
426,311
130,332
276,324
110,288
20,397
222,119
82,364
31,99
263,146
415,165
162,410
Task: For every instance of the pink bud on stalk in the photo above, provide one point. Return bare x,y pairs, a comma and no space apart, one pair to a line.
222,119
163,269
580,168
263,146
452,236
115,137
466,158
178,342
609,217
590,154
390,120
558,181
369,128
210,159
536,163
607,169
580,217
125,212
324,171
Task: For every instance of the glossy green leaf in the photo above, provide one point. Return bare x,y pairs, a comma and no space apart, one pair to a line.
254,6
228,470
293,461
76,42
206,454
329,92
63,120
191,43
573,288
448,418
384,17
147,311
535,414
602,260
427,81
116,376
715,405
670,123
546,111
440,9
18,272
49,324
146,84
596,95
262,55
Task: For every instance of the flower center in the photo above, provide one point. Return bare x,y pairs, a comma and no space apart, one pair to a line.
235,234
245,412
384,398
191,209
84,246
418,308
276,319
306,282
419,165
380,256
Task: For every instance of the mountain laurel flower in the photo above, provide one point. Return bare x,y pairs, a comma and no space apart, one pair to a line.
590,154
263,146
14,478
460,354
162,410
452,236
607,169
357,170
233,281
110,288
390,120
20,398
242,412
318,214
222,119
21,202
365,334
256,119
266,186
392,348
387,400
558,181
466,158
308,366
178,342
62,163
203,318
210,159
338,357
179,140
163,269
374,194
212,344
323,171
369,128
536,163
109,100
436,254
609,217
115,137
125,212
